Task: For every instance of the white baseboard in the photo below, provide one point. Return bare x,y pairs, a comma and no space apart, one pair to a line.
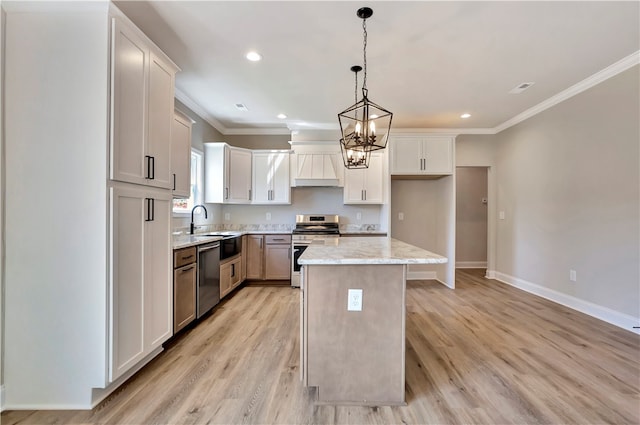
426,275
613,317
471,264
490,274
100,394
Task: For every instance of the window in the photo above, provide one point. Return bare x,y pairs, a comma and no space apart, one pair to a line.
184,206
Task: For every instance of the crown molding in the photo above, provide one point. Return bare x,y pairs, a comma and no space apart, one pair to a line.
444,131
597,78
191,104
258,131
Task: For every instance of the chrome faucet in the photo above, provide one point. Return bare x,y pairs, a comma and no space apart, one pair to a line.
192,210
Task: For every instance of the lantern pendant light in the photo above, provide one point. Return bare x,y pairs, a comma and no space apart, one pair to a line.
364,126
353,154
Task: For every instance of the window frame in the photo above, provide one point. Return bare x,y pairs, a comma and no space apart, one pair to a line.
196,187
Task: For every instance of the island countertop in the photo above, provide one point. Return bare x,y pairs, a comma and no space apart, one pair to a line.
367,250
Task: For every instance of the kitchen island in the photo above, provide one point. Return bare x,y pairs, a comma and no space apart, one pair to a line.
352,318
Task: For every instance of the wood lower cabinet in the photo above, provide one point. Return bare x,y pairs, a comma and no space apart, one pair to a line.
184,287
254,248
243,267
277,257
230,274
269,257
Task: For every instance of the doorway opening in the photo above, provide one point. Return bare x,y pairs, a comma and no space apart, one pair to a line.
472,217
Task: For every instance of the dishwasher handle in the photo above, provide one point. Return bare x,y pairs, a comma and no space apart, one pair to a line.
208,247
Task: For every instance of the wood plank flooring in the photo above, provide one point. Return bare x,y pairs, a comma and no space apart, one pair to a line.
484,353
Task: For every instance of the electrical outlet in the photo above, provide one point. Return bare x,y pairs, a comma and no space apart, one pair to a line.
573,276
359,216
268,216
227,216
354,302
501,215
401,216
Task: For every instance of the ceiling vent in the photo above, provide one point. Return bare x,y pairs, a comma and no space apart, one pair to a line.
241,107
520,88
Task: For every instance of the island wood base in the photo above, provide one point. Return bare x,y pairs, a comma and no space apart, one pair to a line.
354,357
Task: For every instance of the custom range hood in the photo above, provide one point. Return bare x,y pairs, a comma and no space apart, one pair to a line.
316,169
316,164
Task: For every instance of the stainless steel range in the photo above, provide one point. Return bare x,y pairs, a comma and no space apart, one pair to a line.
311,229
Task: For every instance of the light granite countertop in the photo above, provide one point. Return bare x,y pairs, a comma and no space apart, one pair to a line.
185,240
367,250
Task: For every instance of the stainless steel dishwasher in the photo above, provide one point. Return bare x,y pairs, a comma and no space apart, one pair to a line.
208,277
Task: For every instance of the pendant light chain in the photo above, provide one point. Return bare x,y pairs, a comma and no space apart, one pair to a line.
364,29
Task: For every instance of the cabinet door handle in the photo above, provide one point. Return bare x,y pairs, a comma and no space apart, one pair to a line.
249,194
151,167
187,257
174,181
226,193
186,269
148,215
233,270
278,239
365,194
148,159
289,254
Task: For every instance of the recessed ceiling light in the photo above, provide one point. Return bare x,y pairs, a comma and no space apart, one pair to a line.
282,116
465,115
241,107
253,56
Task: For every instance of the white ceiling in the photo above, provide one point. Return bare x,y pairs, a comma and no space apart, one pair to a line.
428,62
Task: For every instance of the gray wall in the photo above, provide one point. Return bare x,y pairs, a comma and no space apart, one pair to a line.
259,141
568,182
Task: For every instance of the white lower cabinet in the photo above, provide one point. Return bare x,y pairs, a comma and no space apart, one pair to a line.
365,185
140,298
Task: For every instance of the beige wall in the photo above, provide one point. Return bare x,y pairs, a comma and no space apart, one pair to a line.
471,216
568,182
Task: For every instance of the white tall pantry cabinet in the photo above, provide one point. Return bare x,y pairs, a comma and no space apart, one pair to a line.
87,224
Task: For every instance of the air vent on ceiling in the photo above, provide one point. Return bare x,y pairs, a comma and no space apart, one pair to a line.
241,107
520,88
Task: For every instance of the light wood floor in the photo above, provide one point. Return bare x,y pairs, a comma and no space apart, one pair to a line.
484,353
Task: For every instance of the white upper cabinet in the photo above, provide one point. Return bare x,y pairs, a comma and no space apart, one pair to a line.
271,178
142,92
181,155
365,185
227,174
421,155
